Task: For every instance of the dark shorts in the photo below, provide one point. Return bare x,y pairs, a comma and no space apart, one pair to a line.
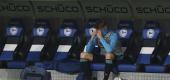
100,58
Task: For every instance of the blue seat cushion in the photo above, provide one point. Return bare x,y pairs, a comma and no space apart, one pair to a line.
127,68
97,67
7,56
100,67
60,56
33,56
69,66
49,65
167,61
155,68
121,67
143,59
16,64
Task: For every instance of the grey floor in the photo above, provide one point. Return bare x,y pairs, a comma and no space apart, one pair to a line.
13,74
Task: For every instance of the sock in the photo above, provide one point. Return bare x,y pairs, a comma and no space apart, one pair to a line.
108,69
85,68
115,69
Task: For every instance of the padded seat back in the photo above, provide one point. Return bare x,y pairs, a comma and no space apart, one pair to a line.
39,40
125,32
127,38
150,35
161,52
67,39
13,34
40,32
167,50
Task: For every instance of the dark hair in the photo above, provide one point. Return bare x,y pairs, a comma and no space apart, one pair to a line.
101,24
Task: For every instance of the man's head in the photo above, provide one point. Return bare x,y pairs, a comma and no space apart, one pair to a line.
102,26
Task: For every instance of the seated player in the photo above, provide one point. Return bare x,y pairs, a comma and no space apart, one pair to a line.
110,48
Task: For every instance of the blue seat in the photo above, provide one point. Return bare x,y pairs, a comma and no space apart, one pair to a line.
48,65
38,41
161,60
13,40
155,68
67,45
127,68
66,39
98,67
38,37
69,66
16,64
151,37
127,36
167,60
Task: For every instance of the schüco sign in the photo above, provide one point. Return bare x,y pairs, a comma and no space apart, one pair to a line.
15,7
157,9
106,9
50,8
58,8
88,9
72,8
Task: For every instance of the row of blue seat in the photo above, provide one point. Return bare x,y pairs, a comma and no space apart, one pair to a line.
41,46
141,49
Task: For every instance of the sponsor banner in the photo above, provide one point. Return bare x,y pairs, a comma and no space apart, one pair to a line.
15,8
106,8
60,9
120,9
151,9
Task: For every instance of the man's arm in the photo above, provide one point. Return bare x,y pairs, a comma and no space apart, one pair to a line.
109,47
90,45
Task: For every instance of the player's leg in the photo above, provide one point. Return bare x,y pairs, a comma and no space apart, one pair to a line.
109,64
85,61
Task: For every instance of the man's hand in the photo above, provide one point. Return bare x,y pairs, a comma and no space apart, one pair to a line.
87,56
99,34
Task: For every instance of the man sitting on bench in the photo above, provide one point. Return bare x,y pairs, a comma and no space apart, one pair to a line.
109,46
